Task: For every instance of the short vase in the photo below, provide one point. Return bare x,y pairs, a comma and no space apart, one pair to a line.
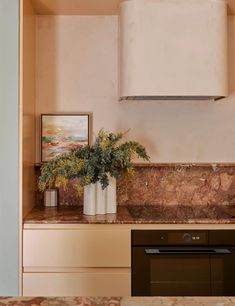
98,201
50,197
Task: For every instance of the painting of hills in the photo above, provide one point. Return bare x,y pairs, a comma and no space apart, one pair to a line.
62,133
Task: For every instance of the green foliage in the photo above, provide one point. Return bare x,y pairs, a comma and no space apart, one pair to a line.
46,140
90,164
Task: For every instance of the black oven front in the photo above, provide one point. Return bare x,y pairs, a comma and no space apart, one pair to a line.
183,263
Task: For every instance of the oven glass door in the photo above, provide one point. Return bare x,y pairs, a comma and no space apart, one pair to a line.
180,275
180,271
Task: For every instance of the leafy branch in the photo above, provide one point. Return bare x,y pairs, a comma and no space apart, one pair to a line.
91,164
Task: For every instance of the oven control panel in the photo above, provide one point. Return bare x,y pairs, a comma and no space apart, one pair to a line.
171,237
191,237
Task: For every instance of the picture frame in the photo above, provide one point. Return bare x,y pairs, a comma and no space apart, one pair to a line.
61,133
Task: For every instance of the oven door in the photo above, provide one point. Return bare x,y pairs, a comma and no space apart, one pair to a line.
182,271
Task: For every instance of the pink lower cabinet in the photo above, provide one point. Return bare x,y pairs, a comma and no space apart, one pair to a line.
96,283
68,262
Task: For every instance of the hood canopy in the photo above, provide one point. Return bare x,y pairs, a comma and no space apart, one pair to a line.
173,49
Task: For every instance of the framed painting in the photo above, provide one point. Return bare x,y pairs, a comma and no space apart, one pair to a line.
61,133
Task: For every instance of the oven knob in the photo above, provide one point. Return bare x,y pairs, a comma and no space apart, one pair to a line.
187,237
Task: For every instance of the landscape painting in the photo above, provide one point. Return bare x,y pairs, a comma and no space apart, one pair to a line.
63,133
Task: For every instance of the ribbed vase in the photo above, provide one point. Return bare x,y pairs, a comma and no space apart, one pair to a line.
111,196
89,205
98,201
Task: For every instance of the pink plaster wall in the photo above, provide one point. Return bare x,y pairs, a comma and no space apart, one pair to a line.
77,70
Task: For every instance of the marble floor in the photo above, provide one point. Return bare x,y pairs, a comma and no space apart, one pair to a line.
117,301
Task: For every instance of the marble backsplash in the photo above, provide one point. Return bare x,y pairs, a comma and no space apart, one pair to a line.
180,184
168,185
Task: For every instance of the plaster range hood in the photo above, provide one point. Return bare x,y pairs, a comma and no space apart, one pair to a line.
173,49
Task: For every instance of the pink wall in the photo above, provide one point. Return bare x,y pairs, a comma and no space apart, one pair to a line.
77,71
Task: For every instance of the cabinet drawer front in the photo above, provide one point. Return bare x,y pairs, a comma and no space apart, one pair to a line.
77,284
76,248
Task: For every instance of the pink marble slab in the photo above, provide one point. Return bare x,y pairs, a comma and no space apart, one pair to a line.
168,184
157,214
178,185
117,301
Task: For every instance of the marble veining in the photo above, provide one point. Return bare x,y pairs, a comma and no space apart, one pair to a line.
178,185
59,301
117,301
178,301
158,214
166,185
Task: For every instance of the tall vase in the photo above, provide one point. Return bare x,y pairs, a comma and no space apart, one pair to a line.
99,201
111,196
89,205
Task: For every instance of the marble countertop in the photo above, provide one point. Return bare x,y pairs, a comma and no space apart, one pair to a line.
118,301
158,214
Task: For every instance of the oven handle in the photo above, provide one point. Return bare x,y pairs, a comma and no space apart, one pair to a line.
179,251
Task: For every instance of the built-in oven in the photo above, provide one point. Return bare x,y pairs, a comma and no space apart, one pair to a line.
183,263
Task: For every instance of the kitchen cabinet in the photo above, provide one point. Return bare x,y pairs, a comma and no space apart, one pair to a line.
76,248
90,283
83,259
78,261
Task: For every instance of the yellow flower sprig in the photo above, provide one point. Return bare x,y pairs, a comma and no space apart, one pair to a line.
90,164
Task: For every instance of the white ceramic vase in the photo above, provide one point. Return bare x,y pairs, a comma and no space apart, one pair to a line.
101,197
89,205
111,196
50,197
99,201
